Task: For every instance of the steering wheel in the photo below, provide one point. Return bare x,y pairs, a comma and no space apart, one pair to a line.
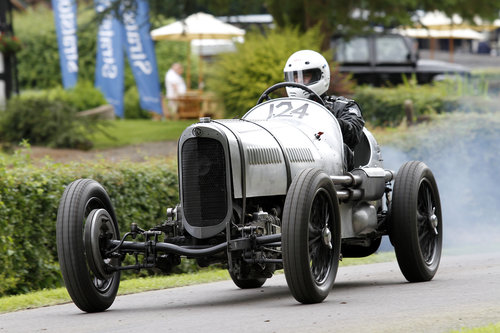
265,94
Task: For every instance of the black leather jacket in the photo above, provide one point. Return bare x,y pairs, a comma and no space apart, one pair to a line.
349,117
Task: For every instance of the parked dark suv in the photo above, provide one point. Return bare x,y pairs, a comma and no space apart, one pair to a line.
380,59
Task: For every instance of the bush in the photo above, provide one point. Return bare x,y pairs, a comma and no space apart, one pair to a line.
132,107
385,105
83,96
46,123
240,78
29,198
38,61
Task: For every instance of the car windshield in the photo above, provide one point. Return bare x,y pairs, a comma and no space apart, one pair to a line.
353,50
391,49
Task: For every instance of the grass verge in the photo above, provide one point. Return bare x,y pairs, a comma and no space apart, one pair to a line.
60,295
485,329
123,132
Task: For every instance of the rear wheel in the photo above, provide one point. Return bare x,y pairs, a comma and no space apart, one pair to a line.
416,227
85,220
311,236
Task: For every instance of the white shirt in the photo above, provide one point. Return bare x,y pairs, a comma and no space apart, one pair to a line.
174,84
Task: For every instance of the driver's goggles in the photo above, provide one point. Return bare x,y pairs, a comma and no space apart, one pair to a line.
308,76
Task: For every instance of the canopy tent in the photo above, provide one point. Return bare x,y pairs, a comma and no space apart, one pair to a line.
211,47
441,33
437,25
196,27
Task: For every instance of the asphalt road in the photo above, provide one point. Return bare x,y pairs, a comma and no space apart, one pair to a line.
369,298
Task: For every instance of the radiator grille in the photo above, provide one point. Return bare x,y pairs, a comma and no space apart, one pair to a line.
204,189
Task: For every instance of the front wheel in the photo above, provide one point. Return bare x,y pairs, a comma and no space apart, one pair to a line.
311,236
85,220
416,224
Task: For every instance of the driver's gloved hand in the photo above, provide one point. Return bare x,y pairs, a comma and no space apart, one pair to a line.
348,158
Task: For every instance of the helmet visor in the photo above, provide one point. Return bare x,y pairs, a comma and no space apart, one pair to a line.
306,77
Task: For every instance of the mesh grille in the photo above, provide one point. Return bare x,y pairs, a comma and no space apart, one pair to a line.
204,189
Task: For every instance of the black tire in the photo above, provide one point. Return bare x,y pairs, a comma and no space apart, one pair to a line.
416,228
310,214
247,283
80,199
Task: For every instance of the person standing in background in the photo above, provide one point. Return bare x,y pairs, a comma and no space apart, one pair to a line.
175,87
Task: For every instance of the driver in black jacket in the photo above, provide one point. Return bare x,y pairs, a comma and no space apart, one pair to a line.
311,69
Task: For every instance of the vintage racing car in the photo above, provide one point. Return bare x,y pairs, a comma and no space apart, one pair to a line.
265,192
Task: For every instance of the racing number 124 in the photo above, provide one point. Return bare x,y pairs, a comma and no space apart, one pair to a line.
285,109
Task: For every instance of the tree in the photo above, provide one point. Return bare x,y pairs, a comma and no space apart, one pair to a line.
333,16
349,17
182,8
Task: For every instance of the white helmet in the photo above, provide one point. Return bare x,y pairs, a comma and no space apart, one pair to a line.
309,68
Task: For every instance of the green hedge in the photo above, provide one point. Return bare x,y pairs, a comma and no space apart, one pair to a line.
29,197
384,106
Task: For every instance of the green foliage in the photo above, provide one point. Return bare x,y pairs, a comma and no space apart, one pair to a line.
131,105
240,78
337,17
384,106
83,96
125,132
183,8
38,60
458,132
44,122
29,198
485,329
60,295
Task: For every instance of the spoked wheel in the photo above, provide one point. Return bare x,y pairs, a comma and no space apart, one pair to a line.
416,227
311,236
85,220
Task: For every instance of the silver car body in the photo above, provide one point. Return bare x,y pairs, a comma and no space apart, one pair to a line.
263,152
